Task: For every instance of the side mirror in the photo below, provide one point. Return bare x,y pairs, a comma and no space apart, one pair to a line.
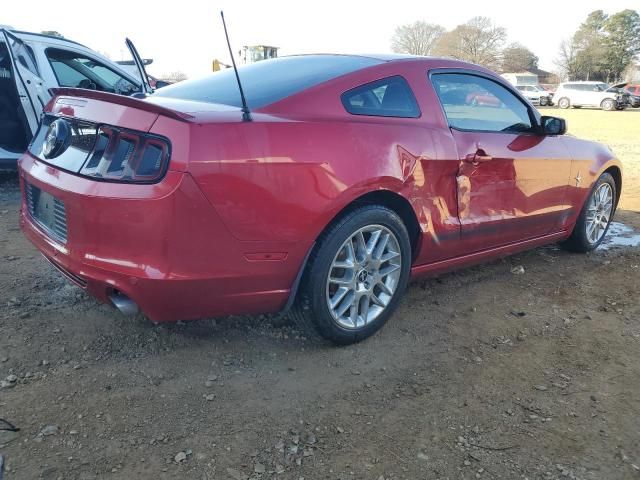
553,125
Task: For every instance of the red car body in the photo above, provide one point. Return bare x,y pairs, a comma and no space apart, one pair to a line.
228,228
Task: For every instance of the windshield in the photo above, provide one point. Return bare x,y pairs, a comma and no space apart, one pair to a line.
76,70
267,81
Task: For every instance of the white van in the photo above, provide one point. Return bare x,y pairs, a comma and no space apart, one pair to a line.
31,64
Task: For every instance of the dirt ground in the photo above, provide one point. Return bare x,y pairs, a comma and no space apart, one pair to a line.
482,373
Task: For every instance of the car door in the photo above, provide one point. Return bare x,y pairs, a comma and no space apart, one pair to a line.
511,180
31,88
144,78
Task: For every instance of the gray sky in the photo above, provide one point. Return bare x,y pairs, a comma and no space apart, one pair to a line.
187,35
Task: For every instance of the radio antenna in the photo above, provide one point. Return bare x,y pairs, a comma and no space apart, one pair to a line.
246,114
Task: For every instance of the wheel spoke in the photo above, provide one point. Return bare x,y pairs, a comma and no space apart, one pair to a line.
347,303
353,314
376,300
389,256
388,269
373,241
346,264
381,246
385,288
364,308
340,281
338,296
362,246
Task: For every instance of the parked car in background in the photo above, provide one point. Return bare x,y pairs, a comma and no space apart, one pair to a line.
483,98
535,94
548,87
31,64
633,91
590,94
340,178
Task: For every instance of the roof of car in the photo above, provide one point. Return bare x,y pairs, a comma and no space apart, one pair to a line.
21,33
382,57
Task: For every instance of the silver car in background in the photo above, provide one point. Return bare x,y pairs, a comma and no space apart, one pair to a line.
535,94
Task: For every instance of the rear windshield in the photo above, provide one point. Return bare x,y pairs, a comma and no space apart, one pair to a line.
268,81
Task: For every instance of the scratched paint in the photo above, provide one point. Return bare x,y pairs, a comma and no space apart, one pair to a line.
620,235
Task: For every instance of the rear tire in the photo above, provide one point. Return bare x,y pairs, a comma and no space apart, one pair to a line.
564,103
350,286
595,217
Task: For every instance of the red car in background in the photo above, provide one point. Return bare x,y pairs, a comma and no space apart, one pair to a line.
483,98
349,176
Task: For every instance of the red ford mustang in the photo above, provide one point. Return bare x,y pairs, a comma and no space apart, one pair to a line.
350,175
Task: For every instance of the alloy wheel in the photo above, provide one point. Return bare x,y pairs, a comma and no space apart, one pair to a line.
363,276
599,213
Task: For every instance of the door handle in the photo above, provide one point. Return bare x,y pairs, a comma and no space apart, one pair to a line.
479,157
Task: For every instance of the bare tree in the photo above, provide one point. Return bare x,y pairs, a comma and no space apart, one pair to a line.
478,41
417,38
174,77
566,59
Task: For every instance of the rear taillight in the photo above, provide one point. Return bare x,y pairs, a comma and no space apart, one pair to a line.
125,156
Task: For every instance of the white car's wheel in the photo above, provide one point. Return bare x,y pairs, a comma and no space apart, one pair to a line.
564,102
608,104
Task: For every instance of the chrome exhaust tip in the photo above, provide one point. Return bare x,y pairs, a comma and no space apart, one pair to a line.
124,304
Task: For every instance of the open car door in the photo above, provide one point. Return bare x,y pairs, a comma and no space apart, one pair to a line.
144,78
31,89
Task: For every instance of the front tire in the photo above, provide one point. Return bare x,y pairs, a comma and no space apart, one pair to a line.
355,276
595,217
608,105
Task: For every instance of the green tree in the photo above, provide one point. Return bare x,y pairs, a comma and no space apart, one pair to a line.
518,58
417,38
590,48
622,42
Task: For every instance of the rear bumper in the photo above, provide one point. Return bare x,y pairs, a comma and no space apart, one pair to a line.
161,245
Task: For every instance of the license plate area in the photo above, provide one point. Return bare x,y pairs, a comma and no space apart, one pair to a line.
48,212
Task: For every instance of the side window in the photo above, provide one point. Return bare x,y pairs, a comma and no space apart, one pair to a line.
389,97
477,103
79,71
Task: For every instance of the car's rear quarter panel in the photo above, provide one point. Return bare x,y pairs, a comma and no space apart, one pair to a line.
285,175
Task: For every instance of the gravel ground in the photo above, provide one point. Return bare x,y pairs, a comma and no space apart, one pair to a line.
483,373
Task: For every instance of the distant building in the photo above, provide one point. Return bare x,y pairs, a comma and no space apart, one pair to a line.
256,53
534,76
